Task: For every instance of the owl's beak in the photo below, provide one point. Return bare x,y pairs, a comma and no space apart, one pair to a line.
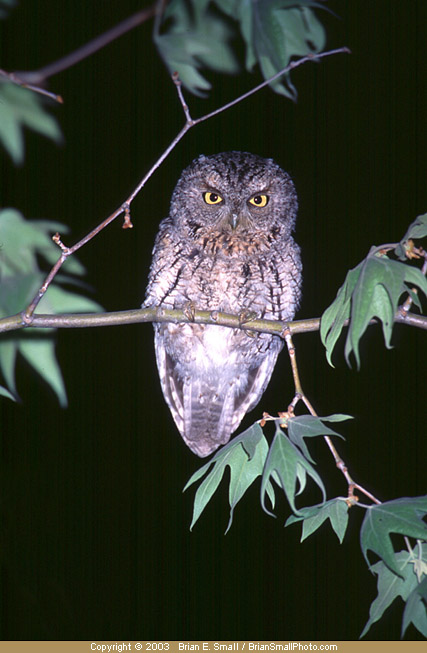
234,220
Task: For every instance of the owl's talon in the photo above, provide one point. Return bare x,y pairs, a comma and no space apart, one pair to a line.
189,311
246,316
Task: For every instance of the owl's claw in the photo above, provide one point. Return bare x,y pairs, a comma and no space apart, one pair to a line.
246,316
189,311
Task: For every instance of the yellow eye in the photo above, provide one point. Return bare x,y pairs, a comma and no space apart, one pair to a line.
259,200
212,198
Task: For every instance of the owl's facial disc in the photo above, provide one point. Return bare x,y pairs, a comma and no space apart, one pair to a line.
224,212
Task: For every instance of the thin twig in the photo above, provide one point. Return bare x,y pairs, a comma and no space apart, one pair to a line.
289,67
66,252
16,79
86,50
125,207
300,396
32,79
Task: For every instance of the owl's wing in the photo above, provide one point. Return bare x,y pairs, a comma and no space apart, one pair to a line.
258,381
207,411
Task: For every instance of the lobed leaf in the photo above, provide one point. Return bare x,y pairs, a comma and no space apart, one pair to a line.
406,586
21,108
194,40
336,510
333,319
21,242
281,30
286,464
403,516
4,392
273,31
245,456
415,609
372,289
390,586
306,426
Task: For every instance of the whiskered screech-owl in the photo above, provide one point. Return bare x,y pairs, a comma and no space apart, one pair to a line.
226,246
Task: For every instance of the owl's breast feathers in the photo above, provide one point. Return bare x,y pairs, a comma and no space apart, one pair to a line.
228,272
234,244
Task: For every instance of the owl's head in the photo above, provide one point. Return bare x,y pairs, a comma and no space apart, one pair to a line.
232,195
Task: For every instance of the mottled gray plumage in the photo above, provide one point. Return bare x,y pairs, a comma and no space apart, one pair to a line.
226,246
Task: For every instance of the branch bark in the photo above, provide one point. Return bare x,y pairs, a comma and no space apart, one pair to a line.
137,316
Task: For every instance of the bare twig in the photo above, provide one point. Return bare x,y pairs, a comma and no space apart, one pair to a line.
33,80
125,207
19,81
85,51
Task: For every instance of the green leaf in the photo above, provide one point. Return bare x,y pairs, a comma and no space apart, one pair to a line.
5,393
403,516
333,319
8,352
22,242
21,108
39,351
58,300
5,7
336,510
415,610
245,456
390,586
282,30
307,426
199,7
193,41
286,464
273,31
372,289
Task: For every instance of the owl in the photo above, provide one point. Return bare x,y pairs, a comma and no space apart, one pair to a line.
226,246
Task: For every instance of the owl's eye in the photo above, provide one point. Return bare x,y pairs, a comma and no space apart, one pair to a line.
259,200
212,198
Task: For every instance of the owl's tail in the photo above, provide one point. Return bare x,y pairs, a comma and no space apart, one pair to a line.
208,409
209,416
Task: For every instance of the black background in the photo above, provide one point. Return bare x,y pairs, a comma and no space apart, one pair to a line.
95,536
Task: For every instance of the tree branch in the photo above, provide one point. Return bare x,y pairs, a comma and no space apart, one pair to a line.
83,52
137,316
34,79
125,207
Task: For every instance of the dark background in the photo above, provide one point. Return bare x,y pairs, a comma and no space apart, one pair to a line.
95,536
